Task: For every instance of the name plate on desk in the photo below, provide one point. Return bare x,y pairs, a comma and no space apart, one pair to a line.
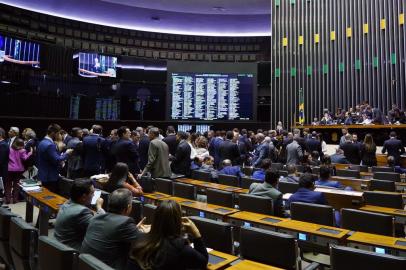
271,220
232,188
325,230
400,243
48,197
213,259
157,195
222,210
187,202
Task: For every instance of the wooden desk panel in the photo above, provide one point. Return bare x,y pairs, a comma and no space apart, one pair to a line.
355,184
154,196
204,184
338,198
228,259
312,228
250,265
256,218
352,126
44,197
399,214
374,240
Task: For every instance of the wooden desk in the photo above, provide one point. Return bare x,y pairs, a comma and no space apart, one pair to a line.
399,214
338,198
203,185
227,259
250,265
366,241
255,220
153,197
196,208
48,204
355,184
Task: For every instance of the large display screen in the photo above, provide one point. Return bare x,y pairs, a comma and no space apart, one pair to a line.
97,65
19,51
211,91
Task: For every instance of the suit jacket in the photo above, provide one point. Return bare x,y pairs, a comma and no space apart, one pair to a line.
307,196
260,174
48,161
267,190
232,170
158,159
181,161
71,224
217,141
394,148
94,151
229,150
126,151
351,152
261,153
313,144
172,143
334,184
4,153
143,147
294,153
108,238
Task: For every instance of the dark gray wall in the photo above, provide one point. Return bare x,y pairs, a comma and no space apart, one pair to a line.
381,84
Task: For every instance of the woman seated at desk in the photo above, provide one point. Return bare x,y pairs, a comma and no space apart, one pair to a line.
120,177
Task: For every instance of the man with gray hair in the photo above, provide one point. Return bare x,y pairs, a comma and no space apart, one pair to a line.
109,236
12,135
262,150
158,156
294,152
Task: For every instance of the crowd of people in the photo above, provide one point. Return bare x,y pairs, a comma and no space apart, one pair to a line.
126,156
362,114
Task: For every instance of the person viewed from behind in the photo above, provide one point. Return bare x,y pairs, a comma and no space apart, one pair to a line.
394,147
294,152
75,162
324,179
262,150
208,166
120,177
368,151
164,247
125,150
291,177
49,159
109,236
143,146
229,169
181,161
306,192
260,174
158,156
30,141
170,140
75,214
16,168
94,152
229,149
351,150
269,189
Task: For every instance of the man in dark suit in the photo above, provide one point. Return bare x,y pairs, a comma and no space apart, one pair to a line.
109,236
74,215
94,152
306,192
125,150
181,161
262,150
229,149
4,153
49,159
229,169
143,147
351,150
171,140
215,146
394,147
313,144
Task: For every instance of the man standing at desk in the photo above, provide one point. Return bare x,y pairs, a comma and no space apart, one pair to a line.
394,147
49,159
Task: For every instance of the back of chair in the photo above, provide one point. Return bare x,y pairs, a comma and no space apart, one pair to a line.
216,234
247,171
348,173
247,181
264,246
389,176
163,185
384,199
382,185
316,170
136,211
283,173
368,222
220,197
53,255
314,213
360,168
184,190
5,217
257,204
88,262
23,243
201,175
288,187
229,180
382,169
148,211
344,258
64,186
105,196
277,166
299,168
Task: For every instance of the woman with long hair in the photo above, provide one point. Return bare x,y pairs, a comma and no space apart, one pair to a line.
164,247
120,177
368,151
16,168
